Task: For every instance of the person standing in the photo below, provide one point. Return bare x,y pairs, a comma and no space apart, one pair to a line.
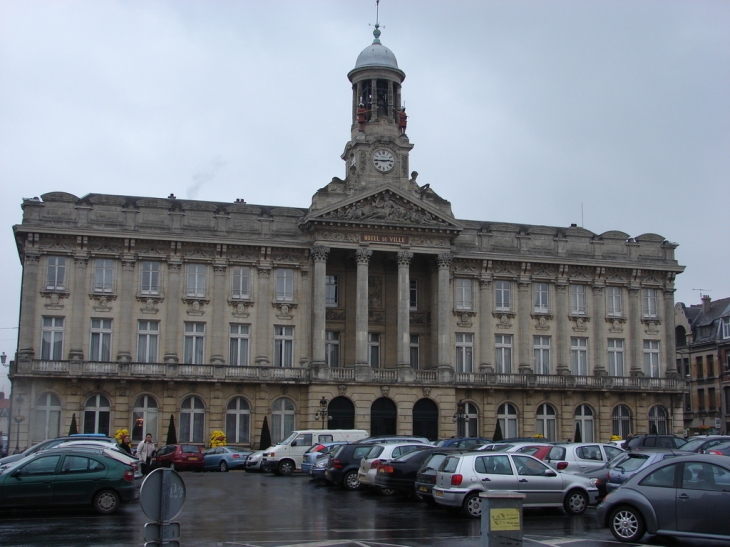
126,445
145,451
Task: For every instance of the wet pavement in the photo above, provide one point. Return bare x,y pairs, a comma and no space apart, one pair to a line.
263,510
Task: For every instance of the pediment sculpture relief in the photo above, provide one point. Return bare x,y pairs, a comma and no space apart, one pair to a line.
386,207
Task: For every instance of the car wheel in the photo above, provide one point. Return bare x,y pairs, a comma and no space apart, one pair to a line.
223,466
576,502
351,481
626,524
106,502
472,506
286,468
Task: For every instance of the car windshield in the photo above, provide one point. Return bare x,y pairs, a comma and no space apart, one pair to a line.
289,439
633,462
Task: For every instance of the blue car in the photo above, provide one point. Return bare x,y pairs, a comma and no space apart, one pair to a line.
225,458
317,452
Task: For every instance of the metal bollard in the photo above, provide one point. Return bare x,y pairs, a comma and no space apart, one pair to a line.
501,519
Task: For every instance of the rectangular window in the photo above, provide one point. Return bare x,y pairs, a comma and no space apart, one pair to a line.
413,295
463,294
616,357
541,349
613,302
502,300
56,273
688,402
196,280
503,353
700,367
649,302
579,356
238,345
701,399
332,348
150,278
332,291
101,340
374,349
651,358
241,282
710,366
711,398
283,346
578,299
147,341
285,284
52,339
415,346
103,275
726,327
464,352
194,353
540,297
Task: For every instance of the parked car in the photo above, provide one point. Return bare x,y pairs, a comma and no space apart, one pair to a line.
720,449
48,443
462,477
601,474
580,457
399,474
635,462
513,446
378,452
685,496
68,476
111,449
253,462
319,468
426,475
223,458
379,439
702,443
653,441
179,457
317,452
344,463
462,442
539,451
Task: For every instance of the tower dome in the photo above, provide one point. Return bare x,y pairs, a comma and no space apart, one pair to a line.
376,55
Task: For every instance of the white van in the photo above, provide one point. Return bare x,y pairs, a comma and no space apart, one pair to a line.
286,456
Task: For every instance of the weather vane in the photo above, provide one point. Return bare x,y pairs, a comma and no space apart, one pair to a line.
376,32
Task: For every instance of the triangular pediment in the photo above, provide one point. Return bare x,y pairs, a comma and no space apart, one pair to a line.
387,206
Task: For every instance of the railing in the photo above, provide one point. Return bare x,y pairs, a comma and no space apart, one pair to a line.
348,375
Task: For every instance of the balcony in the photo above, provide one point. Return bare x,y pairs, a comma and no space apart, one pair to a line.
319,374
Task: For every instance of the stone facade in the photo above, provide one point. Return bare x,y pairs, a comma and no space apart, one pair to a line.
376,297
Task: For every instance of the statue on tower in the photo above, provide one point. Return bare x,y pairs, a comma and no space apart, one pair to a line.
361,116
402,121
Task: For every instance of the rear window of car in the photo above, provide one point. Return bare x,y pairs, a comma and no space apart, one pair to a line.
633,462
449,465
433,461
190,449
556,453
374,452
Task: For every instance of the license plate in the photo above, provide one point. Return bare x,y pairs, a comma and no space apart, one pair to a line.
422,489
361,476
438,494
193,459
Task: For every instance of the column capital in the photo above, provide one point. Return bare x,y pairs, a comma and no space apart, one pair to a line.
404,258
444,260
320,253
362,255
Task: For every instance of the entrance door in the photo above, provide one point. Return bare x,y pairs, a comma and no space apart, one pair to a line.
383,417
426,419
342,412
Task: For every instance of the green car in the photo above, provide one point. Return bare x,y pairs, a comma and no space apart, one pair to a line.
71,476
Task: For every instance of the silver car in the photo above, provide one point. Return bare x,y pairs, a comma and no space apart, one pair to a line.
580,457
369,464
462,477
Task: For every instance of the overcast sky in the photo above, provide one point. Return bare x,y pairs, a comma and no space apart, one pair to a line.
613,115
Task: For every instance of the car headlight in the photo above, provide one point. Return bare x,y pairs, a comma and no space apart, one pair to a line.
594,482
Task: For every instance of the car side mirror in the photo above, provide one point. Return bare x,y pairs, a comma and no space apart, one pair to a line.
551,474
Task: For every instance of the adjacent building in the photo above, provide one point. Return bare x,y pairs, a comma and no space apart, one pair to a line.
375,303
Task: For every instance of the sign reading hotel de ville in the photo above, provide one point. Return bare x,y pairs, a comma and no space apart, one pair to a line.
379,238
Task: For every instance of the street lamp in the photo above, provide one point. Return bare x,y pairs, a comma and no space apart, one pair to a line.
18,419
322,413
459,418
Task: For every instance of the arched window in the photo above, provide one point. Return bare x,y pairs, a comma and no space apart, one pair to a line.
383,417
621,421
47,417
507,419
546,423
282,419
144,418
341,412
238,421
426,419
472,420
192,420
96,415
584,421
657,420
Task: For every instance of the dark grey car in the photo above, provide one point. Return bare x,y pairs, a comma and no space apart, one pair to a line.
686,496
635,462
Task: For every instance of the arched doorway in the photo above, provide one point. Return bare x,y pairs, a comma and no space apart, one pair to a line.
383,417
342,413
426,419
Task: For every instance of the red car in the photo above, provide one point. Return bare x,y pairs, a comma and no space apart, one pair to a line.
179,457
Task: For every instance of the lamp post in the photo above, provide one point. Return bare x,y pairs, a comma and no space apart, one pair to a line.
18,419
322,413
459,418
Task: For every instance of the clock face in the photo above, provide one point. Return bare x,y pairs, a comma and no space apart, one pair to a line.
383,160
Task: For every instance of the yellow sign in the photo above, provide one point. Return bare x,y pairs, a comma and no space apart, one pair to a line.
504,519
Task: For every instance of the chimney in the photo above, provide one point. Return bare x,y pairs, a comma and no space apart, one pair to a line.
706,303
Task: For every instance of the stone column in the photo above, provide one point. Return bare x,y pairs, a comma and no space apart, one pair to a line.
561,329
523,331
125,345
263,329
444,309
362,256
633,334
319,288
29,299
75,320
173,326
485,326
599,328
669,349
218,311
404,287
